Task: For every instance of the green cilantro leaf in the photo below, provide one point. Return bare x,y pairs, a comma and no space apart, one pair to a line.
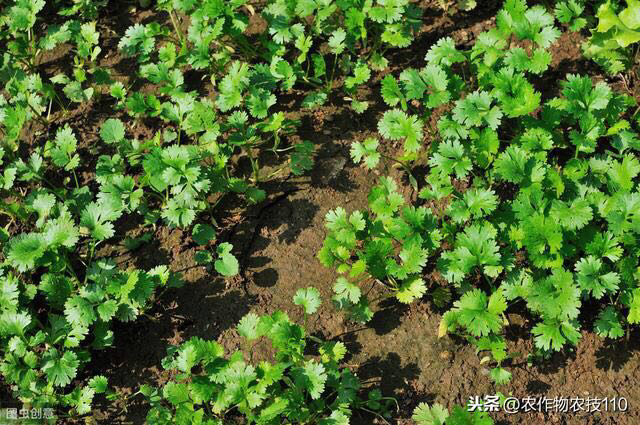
311,376
202,234
308,298
608,323
426,415
248,326
302,157
450,158
336,41
226,264
367,151
476,109
24,250
593,279
60,369
554,335
396,125
411,289
444,52
479,314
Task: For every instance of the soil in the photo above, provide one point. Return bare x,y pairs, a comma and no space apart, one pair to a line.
276,243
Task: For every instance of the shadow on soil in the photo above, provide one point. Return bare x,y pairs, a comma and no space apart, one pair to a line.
613,355
283,217
140,346
388,317
394,380
388,372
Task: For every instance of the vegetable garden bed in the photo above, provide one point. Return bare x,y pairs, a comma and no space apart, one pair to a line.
383,208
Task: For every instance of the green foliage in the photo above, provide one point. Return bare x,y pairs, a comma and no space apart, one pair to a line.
528,199
366,152
309,299
203,233
289,386
390,243
41,361
479,314
226,264
428,86
430,415
611,41
451,5
112,131
397,125
570,13
346,28
476,247
534,24
608,323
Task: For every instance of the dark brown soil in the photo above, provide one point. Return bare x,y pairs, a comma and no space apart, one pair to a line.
277,241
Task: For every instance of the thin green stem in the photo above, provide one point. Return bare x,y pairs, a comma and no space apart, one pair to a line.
172,38
274,173
375,413
405,166
276,141
242,43
254,166
91,251
177,29
306,73
333,72
69,267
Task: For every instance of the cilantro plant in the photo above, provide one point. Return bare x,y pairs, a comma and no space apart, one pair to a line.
570,13
87,75
30,96
87,9
526,198
614,41
500,90
61,295
28,99
388,246
214,34
289,386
